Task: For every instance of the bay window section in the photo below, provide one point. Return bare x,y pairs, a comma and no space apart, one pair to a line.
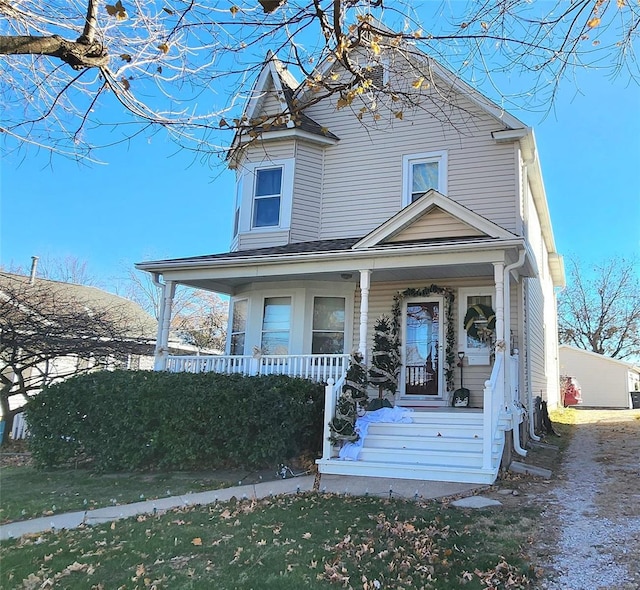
328,325
276,325
238,327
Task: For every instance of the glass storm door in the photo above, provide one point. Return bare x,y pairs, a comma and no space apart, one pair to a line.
422,368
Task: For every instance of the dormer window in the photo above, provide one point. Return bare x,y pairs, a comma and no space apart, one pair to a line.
267,197
266,190
422,172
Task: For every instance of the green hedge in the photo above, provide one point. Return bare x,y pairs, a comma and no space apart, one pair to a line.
126,420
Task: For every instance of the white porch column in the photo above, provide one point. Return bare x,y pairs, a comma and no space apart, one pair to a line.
365,283
164,323
498,273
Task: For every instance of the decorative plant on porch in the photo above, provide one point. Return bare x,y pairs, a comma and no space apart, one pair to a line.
352,402
385,362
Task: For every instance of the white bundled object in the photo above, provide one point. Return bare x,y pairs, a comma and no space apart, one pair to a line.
350,451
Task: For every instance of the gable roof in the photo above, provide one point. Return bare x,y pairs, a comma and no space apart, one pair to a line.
275,79
433,216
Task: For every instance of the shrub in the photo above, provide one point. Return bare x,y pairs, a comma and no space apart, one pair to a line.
125,420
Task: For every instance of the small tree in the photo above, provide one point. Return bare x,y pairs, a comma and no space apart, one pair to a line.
50,331
351,400
385,360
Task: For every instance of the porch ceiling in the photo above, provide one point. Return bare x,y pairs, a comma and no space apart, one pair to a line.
421,274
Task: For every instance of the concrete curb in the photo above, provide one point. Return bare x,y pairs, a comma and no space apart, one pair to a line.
72,520
335,484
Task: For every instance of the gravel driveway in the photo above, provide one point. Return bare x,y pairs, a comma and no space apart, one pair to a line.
591,517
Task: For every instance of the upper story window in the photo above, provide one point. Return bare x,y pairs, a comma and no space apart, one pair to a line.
265,193
267,197
422,172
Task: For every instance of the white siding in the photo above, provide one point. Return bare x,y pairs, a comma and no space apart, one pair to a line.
541,318
307,193
265,239
363,171
268,152
435,224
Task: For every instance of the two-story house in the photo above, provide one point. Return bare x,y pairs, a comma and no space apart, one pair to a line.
341,217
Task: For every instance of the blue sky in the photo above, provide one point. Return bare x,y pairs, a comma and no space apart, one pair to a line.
153,201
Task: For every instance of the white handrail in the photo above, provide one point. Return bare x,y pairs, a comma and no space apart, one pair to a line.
331,392
493,395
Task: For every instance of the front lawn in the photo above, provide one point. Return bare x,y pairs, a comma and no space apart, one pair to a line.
303,541
30,493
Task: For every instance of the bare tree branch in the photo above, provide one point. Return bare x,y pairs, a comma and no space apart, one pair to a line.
184,67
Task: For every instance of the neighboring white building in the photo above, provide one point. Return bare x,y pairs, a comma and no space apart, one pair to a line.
605,382
337,222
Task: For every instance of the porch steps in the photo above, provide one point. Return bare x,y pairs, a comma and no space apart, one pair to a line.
439,445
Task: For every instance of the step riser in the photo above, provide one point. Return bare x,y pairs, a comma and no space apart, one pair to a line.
422,473
425,444
446,419
393,456
426,431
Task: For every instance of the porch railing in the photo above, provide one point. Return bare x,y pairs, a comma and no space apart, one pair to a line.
331,392
317,367
494,405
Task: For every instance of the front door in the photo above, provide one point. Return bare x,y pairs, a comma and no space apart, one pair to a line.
422,370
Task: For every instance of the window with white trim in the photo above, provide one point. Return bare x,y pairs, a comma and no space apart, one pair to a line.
276,325
265,193
328,325
267,196
422,172
476,343
238,327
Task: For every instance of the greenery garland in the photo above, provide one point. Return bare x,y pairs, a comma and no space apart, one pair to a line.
450,335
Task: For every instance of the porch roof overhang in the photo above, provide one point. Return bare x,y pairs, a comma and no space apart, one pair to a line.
337,261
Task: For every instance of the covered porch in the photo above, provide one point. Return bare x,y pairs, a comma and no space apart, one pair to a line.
442,443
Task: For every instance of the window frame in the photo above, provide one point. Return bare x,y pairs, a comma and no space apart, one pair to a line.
315,331
259,198
247,184
232,332
288,331
474,355
409,160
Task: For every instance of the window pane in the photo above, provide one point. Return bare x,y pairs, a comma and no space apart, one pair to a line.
277,311
424,177
237,343
327,343
275,342
275,325
266,212
239,323
328,313
268,182
476,343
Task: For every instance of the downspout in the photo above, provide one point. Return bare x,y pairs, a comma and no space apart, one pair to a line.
507,335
